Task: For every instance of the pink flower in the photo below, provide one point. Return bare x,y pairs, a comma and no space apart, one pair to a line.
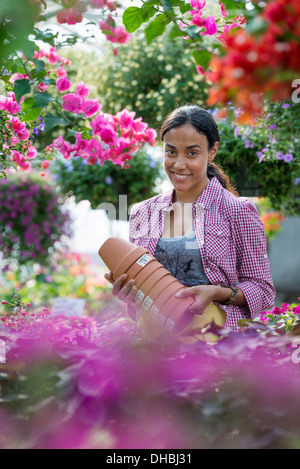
224,13
92,160
19,129
82,90
63,84
210,25
198,20
98,123
108,134
53,55
45,164
200,70
9,104
121,35
69,16
18,76
118,33
72,103
63,147
151,135
90,107
126,118
98,3
31,152
197,5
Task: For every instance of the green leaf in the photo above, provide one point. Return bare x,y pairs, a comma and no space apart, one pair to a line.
42,99
21,87
156,27
28,48
52,121
185,7
32,114
202,57
133,18
39,71
176,32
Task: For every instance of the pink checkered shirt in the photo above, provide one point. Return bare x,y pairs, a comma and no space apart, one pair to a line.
231,240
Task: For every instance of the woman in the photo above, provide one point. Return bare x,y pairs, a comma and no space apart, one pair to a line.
211,240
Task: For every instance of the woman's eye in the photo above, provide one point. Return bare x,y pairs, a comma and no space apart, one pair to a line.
170,152
192,153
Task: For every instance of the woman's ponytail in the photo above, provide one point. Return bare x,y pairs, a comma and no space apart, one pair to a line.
214,170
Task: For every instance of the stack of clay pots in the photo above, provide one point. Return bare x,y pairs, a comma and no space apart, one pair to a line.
156,287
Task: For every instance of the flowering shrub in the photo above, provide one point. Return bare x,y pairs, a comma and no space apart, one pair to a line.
76,384
249,155
151,78
32,220
261,63
18,137
101,137
282,319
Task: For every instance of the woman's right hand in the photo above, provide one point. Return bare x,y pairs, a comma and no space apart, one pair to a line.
126,292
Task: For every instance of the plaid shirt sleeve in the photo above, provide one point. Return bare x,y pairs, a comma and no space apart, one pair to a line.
252,262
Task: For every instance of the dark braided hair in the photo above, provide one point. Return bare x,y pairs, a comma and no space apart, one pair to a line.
205,124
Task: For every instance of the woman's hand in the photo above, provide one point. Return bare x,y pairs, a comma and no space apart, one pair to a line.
205,294
202,294
123,292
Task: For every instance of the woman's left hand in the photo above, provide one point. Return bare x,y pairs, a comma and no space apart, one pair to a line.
203,295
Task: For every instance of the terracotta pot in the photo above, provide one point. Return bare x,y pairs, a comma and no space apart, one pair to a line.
148,286
160,286
146,282
157,289
113,250
161,307
135,255
136,267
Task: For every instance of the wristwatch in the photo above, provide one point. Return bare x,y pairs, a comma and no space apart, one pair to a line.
233,295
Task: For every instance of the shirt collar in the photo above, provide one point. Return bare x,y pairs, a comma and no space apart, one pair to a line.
212,191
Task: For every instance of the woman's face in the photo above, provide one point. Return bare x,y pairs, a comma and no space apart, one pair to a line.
186,156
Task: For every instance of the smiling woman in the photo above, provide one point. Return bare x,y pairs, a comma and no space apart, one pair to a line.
211,240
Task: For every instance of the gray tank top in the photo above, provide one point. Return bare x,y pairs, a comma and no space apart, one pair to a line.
181,257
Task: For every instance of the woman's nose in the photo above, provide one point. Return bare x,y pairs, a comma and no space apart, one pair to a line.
180,162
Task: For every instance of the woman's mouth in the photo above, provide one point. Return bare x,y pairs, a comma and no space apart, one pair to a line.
180,177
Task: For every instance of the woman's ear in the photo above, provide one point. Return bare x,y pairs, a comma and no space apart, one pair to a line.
212,153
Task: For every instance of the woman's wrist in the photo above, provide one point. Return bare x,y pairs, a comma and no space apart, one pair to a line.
221,294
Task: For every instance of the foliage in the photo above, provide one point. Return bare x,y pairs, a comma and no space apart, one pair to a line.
75,383
87,131
247,60
104,184
263,160
33,220
152,79
284,318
